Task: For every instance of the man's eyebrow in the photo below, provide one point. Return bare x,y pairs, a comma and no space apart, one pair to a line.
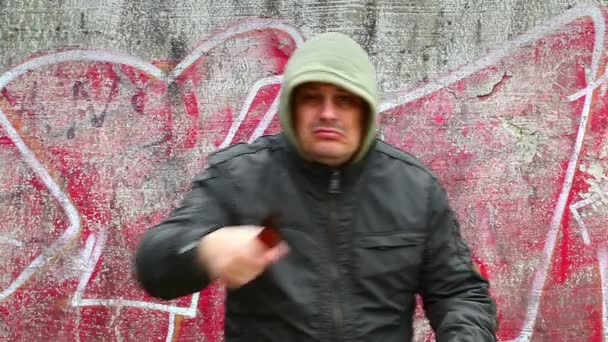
308,89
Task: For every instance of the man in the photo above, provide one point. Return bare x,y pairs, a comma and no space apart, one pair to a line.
363,226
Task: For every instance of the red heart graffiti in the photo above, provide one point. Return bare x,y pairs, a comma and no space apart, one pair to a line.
108,144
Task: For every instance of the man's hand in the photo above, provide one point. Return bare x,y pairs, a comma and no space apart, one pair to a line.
235,256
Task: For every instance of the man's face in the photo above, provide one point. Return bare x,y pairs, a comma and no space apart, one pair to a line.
328,121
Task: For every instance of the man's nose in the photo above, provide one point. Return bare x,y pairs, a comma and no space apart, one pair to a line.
328,112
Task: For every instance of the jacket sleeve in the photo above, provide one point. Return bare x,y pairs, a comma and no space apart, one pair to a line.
456,297
165,260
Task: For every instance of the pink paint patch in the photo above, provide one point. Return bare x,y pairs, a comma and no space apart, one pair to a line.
439,119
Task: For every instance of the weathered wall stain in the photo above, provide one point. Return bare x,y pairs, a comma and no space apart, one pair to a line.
97,145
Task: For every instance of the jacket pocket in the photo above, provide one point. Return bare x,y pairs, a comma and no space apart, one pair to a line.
390,241
390,259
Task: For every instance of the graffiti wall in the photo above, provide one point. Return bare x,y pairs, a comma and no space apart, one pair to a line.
98,143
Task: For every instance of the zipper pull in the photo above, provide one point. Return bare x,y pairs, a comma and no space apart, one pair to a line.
334,183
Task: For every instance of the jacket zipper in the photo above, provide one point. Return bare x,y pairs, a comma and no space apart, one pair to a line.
334,188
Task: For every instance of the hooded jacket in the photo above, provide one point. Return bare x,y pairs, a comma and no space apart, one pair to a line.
364,238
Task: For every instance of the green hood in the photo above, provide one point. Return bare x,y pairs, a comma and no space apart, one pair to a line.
337,59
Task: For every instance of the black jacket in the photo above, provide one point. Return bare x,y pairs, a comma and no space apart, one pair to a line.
363,241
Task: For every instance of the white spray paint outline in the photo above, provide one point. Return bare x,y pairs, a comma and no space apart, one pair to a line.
574,208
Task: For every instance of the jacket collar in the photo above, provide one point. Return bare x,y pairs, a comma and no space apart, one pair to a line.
323,176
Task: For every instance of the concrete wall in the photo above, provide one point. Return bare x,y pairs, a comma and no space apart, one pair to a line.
108,108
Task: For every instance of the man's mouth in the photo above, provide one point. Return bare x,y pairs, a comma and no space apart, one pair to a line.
328,133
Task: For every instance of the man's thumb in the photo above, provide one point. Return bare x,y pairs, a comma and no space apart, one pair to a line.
275,253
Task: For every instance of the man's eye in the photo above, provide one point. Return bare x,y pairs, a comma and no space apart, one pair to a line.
346,100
